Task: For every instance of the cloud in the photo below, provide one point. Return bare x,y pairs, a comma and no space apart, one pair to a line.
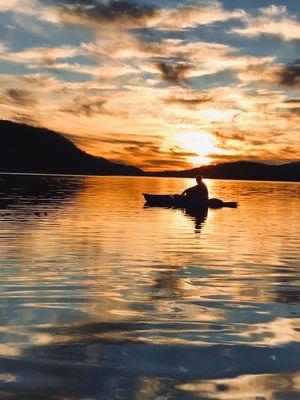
150,151
154,156
20,6
297,101
174,59
290,106
46,56
191,17
117,141
251,386
86,106
127,142
43,96
124,14
295,110
24,118
3,48
289,75
38,10
191,102
53,59
259,153
122,53
154,164
129,15
272,20
173,73
91,105
125,45
122,91
19,97
107,12
281,75
236,98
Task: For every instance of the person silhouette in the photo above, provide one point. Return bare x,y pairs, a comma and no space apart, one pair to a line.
196,194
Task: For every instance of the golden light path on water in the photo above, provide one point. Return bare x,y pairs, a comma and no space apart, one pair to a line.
102,298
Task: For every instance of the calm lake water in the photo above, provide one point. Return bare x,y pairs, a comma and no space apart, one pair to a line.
102,298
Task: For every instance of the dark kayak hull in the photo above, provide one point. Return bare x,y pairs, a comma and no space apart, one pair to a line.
178,201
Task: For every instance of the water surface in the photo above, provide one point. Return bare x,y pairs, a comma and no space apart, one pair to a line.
102,298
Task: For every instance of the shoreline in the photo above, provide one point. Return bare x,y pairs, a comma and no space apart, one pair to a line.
147,175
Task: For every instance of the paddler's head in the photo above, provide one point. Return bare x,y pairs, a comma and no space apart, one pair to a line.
199,179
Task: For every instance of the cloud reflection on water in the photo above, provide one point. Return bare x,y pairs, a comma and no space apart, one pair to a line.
265,386
103,299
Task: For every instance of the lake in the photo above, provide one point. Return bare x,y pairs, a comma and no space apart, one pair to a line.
102,298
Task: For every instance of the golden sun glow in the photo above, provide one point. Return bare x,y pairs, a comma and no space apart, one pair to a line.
201,143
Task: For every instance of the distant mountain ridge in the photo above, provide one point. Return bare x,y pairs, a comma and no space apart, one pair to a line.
29,149
244,170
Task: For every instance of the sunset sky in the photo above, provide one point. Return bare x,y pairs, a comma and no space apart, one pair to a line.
167,84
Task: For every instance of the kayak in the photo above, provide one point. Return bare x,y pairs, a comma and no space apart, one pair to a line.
179,201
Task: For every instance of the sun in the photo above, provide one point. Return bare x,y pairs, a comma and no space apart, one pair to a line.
203,144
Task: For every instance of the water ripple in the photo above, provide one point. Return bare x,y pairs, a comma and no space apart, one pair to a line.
156,303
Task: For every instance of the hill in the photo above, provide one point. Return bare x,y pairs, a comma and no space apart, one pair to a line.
29,149
244,170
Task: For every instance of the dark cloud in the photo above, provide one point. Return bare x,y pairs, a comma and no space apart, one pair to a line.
179,153
255,142
127,142
49,62
288,149
118,141
290,74
151,155
294,110
293,101
87,107
19,97
142,149
190,103
173,73
161,163
112,11
220,158
281,75
224,136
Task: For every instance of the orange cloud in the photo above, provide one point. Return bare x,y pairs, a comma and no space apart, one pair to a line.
272,20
